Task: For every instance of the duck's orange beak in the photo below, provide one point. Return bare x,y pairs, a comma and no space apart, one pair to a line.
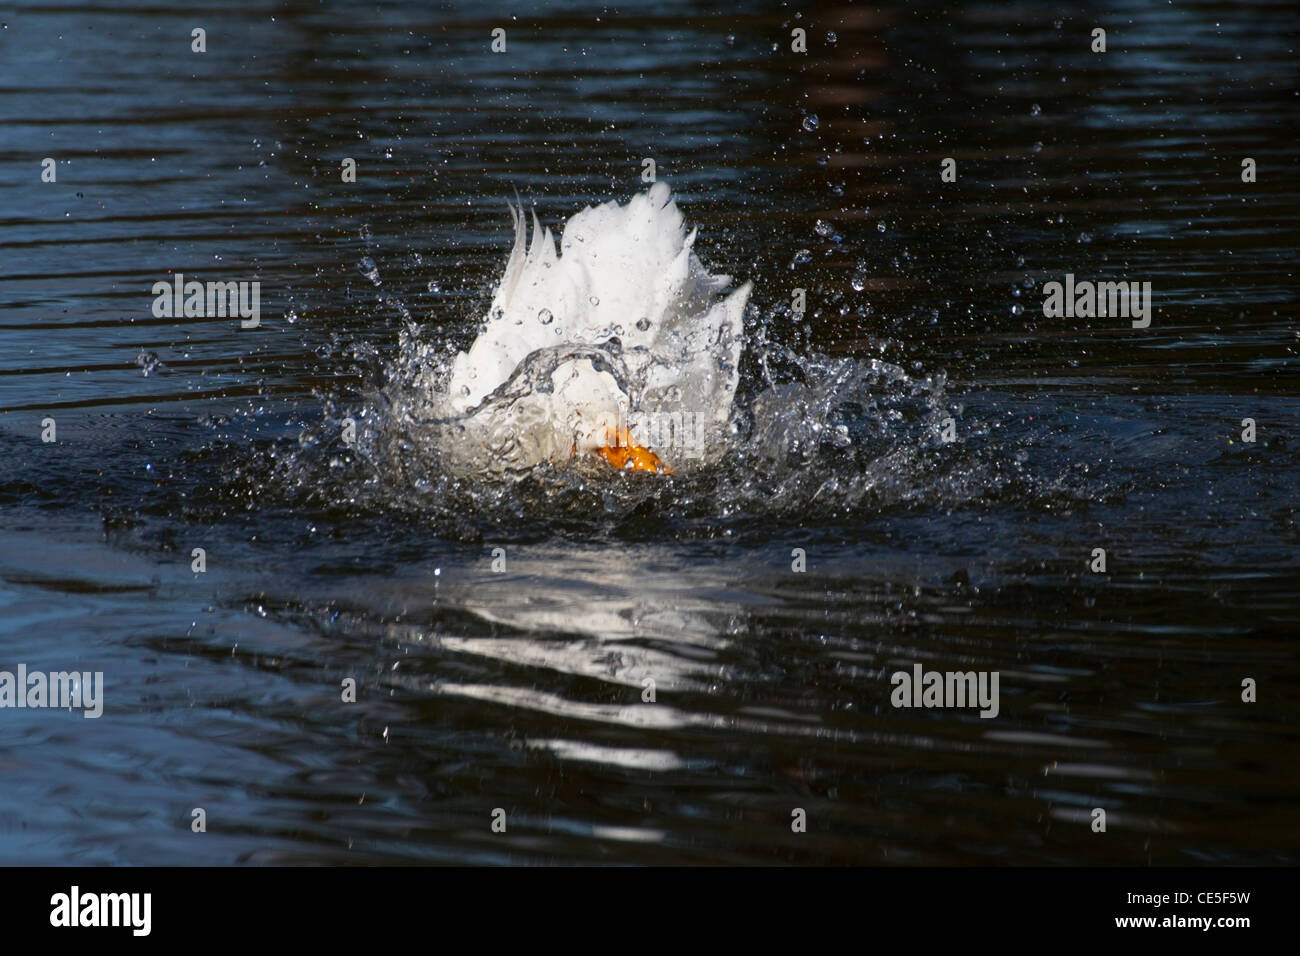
625,455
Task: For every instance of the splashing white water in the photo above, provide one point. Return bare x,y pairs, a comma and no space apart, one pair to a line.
800,429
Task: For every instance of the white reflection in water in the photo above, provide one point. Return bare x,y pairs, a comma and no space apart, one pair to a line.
616,618
634,758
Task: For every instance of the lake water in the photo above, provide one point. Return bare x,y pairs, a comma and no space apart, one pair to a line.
522,689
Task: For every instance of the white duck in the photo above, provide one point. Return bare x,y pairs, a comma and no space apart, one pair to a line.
586,349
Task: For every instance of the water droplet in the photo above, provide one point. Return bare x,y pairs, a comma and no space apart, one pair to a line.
859,279
801,257
594,301
823,228
545,317
148,362
831,38
643,323
880,226
370,270
1035,110
1017,309
498,313
810,122
433,286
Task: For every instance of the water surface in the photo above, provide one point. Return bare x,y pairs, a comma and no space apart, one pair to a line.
522,690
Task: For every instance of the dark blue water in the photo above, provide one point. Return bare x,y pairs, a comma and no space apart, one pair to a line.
522,690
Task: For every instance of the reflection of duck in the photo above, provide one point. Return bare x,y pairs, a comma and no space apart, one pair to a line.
581,346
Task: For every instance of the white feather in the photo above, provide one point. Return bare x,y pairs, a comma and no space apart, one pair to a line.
627,272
